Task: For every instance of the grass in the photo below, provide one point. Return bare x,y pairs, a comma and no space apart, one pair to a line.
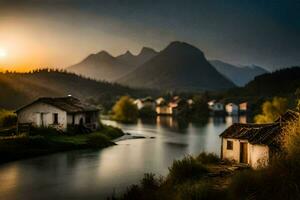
46,140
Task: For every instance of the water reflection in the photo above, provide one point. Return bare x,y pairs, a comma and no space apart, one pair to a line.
96,174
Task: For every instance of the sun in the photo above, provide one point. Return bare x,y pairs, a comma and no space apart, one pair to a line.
3,53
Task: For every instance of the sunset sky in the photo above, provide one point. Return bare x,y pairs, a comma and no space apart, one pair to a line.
58,33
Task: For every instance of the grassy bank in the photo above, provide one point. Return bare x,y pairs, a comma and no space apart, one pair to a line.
44,141
205,177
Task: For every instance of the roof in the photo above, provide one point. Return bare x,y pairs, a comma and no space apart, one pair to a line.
254,133
288,116
68,104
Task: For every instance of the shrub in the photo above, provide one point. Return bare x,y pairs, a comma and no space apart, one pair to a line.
7,118
199,191
186,169
149,182
208,158
111,132
125,110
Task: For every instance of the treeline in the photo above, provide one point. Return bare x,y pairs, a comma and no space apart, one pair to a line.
17,89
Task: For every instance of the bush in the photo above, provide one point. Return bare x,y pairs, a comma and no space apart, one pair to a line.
125,110
7,118
111,132
199,191
186,169
96,140
208,158
43,131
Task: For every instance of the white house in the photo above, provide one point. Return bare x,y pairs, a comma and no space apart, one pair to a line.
145,102
232,109
58,113
215,106
254,144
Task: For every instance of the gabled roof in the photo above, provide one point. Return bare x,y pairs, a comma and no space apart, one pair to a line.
290,115
68,104
254,133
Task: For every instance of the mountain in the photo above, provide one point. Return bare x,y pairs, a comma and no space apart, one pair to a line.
18,89
239,75
137,60
103,66
180,66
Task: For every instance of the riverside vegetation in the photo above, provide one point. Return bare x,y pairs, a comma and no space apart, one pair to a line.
206,177
41,141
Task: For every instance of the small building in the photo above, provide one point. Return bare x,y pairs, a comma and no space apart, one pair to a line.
243,107
145,102
232,109
162,107
254,144
250,144
215,107
58,113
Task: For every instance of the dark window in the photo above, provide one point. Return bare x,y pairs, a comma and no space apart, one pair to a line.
55,118
229,145
87,119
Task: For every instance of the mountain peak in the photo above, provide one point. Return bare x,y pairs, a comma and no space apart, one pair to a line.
128,53
103,54
181,47
147,50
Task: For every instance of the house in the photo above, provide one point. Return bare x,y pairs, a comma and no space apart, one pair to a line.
58,113
215,107
254,144
147,102
162,107
232,109
243,107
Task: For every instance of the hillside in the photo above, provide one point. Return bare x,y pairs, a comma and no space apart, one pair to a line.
282,82
103,66
20,88
239,75
180,66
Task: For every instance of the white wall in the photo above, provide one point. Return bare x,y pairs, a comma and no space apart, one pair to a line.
31,114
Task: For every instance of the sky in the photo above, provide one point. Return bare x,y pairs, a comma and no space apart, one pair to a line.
59,33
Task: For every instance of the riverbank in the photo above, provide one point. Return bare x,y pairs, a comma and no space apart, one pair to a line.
47,141
201,177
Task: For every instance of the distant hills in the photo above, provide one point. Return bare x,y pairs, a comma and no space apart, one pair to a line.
18,89
282,82
180,66
183,68
103,66
240,75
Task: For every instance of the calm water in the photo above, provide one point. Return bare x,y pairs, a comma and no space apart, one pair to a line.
97,174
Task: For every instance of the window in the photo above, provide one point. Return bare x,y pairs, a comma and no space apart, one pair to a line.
88,119
55,118
229,145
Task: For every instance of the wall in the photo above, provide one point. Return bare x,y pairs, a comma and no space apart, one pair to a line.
233,154
93,115
258,155
164,110
31,114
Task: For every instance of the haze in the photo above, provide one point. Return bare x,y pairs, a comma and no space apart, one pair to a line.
59,33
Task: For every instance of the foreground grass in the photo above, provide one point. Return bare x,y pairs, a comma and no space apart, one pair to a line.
45,141
188,179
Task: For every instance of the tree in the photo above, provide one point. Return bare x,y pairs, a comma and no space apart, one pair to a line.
125,110
271,110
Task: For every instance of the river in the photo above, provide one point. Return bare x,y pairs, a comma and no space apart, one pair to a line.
88,174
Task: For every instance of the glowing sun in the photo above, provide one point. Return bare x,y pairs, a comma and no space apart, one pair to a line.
3,53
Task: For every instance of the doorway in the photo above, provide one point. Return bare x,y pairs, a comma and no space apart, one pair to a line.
244,152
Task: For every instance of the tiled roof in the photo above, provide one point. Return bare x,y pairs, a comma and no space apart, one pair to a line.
68,104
